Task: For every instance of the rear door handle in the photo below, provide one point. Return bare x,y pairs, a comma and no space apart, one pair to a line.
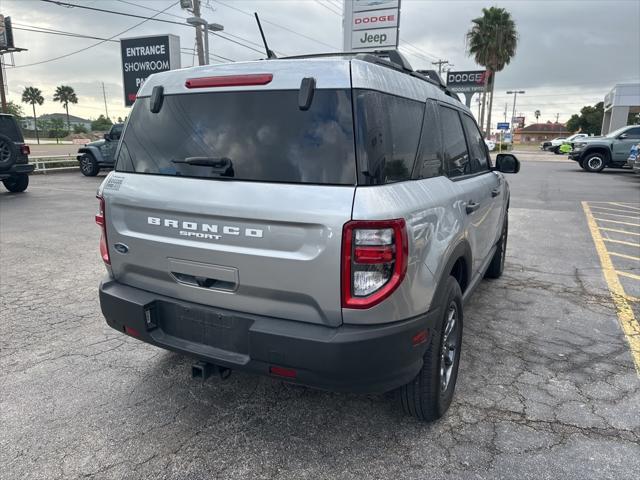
495,192
471,207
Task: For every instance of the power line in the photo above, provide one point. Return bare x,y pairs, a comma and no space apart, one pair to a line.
244,12
328,8
186,51
421,51
113,12
95,44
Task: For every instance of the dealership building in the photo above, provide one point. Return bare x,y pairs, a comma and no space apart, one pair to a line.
622,100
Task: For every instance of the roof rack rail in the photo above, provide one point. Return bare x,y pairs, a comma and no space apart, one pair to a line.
390,59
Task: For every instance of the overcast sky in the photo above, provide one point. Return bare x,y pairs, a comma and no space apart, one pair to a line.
570,53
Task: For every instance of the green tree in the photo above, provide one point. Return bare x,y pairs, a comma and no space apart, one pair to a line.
56,128
79,129
102,123
14,109
33,95
589,121
65,95
492,41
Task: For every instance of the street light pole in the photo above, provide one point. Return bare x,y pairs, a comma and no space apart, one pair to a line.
214,27
515,97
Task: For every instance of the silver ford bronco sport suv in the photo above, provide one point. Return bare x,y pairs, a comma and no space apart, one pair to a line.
320,220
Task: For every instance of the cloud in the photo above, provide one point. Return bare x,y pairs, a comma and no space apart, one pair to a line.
570,53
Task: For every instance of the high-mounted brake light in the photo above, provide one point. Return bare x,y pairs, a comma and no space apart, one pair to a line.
374,261
229,80
100,221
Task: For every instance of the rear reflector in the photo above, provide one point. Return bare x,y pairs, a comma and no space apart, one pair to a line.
419,338
229,80
131,331
283,372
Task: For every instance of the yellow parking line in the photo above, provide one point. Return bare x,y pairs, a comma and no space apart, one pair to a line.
619,231
628,274
628,257
626,319
621,242
615,210
617,221
626,206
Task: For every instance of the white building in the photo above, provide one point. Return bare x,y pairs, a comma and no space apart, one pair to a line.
622,100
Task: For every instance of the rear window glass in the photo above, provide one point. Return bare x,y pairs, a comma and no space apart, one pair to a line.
255,136
10,128
387,132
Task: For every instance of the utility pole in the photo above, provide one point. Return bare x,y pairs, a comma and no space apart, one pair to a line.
505,111
440,63
557,117
199,43
104,96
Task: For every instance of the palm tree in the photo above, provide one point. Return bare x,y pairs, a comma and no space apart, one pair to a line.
492,41
537,115
33,95
65,95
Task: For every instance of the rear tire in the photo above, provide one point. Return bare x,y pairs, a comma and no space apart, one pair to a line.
88,165
496,267
556,150
594,162
17,183
429,395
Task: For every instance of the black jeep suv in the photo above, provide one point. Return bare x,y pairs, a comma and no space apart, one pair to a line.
14,160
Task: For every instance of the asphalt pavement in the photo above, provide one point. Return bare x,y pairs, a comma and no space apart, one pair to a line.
547,386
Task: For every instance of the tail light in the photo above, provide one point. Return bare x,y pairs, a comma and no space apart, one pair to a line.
25,150
100,221
374,261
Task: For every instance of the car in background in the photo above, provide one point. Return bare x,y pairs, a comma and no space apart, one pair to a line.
557,143
634,158
595,153
99,155
14,155
546,145
491,145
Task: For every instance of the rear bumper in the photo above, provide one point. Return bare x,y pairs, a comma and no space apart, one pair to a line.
350,358
17,169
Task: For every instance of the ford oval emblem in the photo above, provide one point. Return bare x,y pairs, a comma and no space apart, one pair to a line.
121,248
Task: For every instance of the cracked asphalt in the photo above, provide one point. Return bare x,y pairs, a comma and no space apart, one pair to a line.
547,386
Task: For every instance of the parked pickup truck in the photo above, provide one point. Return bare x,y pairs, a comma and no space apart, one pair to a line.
99,155
593,154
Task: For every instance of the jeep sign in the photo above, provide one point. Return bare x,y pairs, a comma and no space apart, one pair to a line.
466,82
371,24
142,56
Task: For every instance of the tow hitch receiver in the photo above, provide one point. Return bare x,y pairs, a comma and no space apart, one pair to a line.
203,370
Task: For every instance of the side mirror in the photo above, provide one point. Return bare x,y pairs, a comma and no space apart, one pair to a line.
623,136
507,163
107,137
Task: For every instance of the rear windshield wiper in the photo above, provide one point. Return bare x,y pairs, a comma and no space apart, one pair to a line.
222,165
216,162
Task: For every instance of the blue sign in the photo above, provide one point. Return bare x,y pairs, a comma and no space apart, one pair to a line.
503,126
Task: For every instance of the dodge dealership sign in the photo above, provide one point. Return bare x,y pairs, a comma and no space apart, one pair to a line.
142,56
371,24
466,82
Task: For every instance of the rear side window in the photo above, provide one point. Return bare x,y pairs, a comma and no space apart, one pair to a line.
633,133
454,145
387,136
429,160
477,148
10,128
254,136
